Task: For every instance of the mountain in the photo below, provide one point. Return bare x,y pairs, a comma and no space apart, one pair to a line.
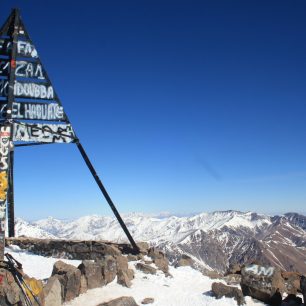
213,240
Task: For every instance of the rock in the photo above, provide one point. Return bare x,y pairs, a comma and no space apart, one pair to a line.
220,290
109,268
292,299
147,301
292,282
130,273
122,263
61,268
52,292
83,284
93,273
185,260
212,274
73,285
160,259
261,282
145,268
233,269
131,257
232,279
143,247
123,279
122,301
303,287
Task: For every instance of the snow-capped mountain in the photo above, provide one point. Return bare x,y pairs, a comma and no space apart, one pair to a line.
213,240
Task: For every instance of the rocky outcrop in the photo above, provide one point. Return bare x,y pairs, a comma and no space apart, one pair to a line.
122,301
220,290
159,259
292,282
261,282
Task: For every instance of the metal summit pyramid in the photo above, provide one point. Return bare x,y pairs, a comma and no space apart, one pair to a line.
30,114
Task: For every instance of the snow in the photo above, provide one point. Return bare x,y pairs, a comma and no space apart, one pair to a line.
187,287
36,266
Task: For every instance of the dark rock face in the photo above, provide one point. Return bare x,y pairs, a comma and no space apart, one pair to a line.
122,301
261,282
145,268
220,290
292,299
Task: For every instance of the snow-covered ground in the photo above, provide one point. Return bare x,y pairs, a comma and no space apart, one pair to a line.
187,287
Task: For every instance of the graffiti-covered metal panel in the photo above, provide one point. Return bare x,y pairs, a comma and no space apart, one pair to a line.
57,133
34,111
5,133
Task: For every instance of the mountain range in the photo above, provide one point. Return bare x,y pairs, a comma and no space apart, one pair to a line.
213,240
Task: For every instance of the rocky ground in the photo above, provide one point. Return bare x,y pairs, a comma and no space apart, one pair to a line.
116,265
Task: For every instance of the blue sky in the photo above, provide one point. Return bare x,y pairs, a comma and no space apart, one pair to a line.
183,106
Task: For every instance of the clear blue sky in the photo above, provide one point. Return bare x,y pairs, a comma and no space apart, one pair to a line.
183,106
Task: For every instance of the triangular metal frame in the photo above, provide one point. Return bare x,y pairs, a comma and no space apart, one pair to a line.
9,124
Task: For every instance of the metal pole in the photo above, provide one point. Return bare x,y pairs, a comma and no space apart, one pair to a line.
10,198
106,195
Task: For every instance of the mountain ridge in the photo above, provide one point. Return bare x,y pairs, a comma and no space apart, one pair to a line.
215,240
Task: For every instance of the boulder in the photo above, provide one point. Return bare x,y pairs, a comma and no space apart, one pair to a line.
145,268
73,285
83,285
130,273
61,268
143,247
93,273
292,282
132,257
185,260
261,282
109,268
220,290
122,301
160,259
123,279
122,263
52,292
147,301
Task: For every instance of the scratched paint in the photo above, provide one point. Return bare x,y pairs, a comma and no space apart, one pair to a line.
260,270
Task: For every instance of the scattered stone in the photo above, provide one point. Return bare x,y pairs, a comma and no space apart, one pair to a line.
147,301
185,260
52,292
93,273
261,282
122,301
145,268
220,290
123,279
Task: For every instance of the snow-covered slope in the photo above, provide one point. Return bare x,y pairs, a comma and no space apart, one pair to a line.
214,239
